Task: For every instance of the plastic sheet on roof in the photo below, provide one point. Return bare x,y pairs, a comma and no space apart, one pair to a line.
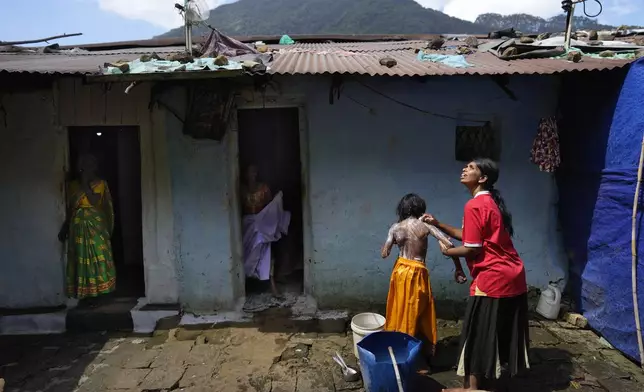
203,64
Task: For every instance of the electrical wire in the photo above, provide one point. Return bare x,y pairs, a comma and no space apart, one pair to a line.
405,104
340,90
411,106
601,8
567,5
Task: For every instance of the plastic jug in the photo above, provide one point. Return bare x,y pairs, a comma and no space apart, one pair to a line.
550,302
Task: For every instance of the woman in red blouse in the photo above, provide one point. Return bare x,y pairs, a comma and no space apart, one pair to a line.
495,328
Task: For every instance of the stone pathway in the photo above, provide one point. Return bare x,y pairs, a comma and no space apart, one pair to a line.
563,357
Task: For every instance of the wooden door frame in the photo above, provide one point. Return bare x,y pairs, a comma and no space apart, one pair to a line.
81,105
268,102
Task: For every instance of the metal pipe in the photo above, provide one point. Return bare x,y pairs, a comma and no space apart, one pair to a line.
186,37
189,39
187,27
571,12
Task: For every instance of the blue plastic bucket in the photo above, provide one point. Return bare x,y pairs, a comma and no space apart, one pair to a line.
375,362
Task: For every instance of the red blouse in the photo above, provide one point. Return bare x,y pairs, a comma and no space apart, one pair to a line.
497,271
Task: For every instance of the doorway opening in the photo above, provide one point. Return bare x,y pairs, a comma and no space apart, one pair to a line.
118,154
269,141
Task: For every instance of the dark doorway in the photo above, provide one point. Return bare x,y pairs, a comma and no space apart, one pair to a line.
117,150
269,139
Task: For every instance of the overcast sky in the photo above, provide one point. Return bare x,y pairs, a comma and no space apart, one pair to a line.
117,20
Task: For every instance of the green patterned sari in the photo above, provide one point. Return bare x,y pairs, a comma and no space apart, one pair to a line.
90,263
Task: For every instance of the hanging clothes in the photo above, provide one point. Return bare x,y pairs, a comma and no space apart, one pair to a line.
545,148
259,231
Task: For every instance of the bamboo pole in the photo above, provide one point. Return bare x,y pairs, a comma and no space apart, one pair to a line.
634,257
35,41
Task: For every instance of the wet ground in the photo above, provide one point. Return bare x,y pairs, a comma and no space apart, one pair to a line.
563,358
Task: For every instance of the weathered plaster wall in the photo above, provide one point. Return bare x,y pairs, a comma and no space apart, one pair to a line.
33,155
364,159
364,153
81,104
202,242
31,202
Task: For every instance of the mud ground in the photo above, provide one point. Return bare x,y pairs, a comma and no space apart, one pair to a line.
563,358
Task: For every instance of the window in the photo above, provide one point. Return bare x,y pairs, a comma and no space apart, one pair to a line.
477,140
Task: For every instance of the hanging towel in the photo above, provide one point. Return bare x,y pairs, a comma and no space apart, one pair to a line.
259,231
452,60
545,148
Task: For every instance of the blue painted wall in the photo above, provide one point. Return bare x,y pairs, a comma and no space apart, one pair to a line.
202,235
363,160
32,204
365,153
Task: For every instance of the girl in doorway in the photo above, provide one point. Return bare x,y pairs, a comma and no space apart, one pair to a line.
89,226
495,328
264,222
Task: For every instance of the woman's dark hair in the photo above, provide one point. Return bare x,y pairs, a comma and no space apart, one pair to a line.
247,167
87,159
490,169
411,205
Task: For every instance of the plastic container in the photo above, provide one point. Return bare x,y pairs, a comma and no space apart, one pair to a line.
378,373
550,302
364,324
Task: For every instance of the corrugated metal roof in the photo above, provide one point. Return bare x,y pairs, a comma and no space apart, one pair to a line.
271,39
356,46
359,58
483,64
80,63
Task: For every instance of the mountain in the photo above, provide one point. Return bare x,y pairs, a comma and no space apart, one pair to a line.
533,24
277,17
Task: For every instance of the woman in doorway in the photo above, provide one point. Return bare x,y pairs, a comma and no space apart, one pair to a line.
264,222
89,225
495,328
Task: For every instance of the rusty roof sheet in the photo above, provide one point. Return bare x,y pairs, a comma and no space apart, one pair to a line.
368,63
358,58
54,63
66,63
356,46
271,39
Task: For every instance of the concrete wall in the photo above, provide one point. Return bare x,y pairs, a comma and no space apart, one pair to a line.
364,159
80,104
200,203
33,155
32,207
364,153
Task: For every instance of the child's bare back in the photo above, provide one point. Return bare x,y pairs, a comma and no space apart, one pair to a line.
411,233
411,237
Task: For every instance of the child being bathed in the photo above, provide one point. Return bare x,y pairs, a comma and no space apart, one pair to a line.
410,304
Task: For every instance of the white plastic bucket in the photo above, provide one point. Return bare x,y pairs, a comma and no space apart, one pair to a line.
364,324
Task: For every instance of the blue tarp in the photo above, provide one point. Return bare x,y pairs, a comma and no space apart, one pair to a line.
606,295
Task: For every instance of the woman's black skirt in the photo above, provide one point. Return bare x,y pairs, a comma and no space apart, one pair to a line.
495,335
